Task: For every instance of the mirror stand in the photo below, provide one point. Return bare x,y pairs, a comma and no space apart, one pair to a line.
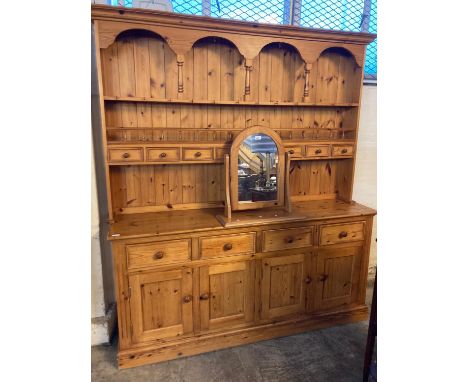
263,215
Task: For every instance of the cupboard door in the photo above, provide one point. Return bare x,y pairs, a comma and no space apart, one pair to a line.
161,304
226,295
283,284
337,276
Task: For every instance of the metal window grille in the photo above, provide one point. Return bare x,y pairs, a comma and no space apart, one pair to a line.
344,15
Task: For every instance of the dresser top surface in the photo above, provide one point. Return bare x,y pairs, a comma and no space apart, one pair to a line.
190,221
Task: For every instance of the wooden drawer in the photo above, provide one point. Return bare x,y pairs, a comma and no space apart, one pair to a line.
162,154
274,240
294,151
227,245
318,151
125,155
342,150
159,253
197,154
341,233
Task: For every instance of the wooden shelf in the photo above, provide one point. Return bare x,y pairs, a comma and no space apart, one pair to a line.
181,221
214,102
224,144
207,129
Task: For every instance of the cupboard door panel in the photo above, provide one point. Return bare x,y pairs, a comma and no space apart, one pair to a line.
161,304
226,295
337,276
283,284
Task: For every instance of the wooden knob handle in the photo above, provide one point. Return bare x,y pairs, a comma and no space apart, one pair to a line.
162,155
289,239
343,234
291,152
204,296
187,299
318,151
344,151
308,280
227,246
158,255
198,154
125,155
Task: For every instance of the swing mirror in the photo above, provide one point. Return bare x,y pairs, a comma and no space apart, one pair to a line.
257,169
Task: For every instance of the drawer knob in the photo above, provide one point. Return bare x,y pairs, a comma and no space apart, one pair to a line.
187,299
318,151
227,246
291,152
162,155
125,155
289,239
343,234
308,280
198,154
344,151
158,255
204,296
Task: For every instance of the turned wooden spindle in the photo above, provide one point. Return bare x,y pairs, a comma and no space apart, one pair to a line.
307,68
248,68
180,73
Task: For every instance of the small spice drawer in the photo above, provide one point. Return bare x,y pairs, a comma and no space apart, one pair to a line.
342,150
274,240
294,151
341,233
318,151
162,154
125,155
158,253
227,245
197,154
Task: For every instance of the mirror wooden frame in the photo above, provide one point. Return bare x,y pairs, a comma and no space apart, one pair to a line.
280,171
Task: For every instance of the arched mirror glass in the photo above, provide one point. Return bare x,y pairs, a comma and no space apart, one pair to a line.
257,169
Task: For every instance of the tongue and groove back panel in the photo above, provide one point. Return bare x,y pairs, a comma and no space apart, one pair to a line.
155,98
142,66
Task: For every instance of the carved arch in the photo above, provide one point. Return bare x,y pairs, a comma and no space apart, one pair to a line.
279,43
181,40
340,49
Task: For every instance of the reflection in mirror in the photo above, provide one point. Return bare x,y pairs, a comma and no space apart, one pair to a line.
257,169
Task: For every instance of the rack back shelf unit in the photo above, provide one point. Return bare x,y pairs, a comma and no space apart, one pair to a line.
175,91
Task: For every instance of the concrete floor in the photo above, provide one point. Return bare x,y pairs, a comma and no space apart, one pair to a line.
332,355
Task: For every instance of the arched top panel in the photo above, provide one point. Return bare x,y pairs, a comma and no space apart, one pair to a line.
249,45
282,45
215,39
136,33
341,51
